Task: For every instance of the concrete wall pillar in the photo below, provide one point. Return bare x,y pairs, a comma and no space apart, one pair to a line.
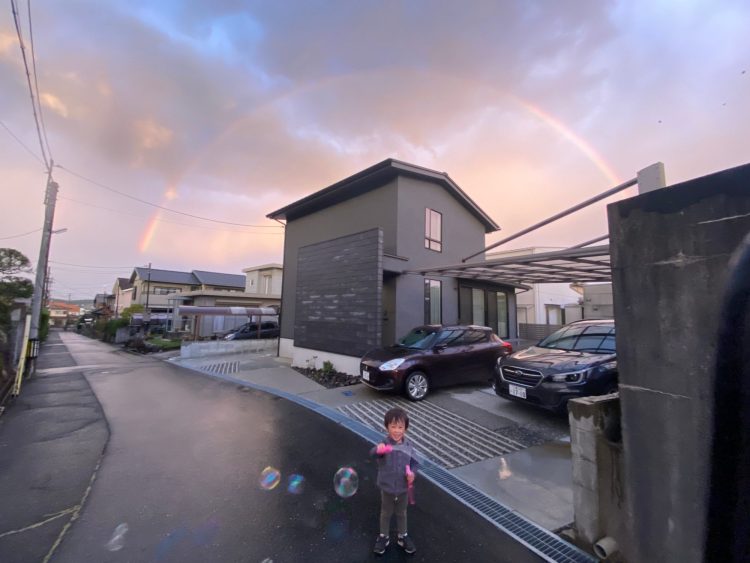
670,251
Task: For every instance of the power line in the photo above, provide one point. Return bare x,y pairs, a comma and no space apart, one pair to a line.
21,235
36,83
192,226
32,153
14,9
90,265
123,194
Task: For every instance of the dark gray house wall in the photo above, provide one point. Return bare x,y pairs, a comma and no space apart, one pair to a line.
462,233
393,197
373,209
353,293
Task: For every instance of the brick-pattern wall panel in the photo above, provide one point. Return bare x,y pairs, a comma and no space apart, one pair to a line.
339,294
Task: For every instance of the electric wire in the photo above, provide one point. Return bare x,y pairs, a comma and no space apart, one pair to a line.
36,82
90,265
123,194
160,220
21,235
14,9
20,142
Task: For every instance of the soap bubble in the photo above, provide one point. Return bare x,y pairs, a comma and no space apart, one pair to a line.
270,478
117,541
345,482
296,484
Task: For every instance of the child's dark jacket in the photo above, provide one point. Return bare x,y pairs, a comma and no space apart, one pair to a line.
392,466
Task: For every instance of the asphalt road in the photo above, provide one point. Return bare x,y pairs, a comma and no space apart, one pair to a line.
179,478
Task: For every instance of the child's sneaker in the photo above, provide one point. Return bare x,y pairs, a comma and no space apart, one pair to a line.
407,543
380,544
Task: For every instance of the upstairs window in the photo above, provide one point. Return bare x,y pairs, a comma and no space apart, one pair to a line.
433,230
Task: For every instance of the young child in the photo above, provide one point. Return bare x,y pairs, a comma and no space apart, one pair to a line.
394,455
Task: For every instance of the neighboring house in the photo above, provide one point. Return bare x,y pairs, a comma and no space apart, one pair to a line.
264,280
155,289
598,302
103,305
171,289
545,303
349,255
123,292
60,313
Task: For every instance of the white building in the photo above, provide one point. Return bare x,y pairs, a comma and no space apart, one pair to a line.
544,303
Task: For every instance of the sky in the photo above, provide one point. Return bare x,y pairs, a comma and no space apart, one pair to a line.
228,110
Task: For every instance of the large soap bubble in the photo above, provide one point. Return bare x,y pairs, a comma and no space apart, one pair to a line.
345,482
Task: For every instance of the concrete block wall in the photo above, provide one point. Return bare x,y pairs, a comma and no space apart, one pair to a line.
670,253
596,455
338,304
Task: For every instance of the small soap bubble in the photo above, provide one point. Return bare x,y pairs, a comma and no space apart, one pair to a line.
117,541
345,482
270,478
296,484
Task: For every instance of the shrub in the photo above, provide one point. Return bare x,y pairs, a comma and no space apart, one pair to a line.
328,369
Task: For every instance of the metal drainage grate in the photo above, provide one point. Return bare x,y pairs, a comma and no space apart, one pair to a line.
438,434
221,367
541,541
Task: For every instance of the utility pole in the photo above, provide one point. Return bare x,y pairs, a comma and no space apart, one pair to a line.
148,285
147,312
50,199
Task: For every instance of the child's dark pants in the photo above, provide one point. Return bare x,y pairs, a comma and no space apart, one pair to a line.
388,505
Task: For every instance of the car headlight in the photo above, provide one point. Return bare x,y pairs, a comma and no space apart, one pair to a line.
573,377
390,365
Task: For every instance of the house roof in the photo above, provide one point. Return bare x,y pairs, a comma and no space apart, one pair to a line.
264,267
196,277
372,178
215,278
124,283
164,276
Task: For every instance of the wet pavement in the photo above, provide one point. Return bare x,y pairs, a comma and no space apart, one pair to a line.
536,443
180,476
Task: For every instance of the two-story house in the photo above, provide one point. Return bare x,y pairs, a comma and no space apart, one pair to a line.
349,254
155,289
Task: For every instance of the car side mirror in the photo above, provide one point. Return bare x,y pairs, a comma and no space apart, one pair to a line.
439,347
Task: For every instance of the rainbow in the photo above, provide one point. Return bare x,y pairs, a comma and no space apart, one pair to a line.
565,132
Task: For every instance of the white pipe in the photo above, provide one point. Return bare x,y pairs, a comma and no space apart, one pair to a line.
605,547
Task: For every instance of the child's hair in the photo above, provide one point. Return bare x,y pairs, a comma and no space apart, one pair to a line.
396,415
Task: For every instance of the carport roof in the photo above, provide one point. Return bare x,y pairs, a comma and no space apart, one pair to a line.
572,265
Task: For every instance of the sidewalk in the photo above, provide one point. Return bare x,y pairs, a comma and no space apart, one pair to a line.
52,438
534,481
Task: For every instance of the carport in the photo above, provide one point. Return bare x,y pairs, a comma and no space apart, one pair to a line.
577,264
571,265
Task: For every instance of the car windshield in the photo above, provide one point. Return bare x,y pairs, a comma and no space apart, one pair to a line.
598,339
418,338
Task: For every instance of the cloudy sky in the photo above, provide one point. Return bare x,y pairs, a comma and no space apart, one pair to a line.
231,109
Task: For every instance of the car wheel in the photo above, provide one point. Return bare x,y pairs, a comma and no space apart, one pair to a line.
416,386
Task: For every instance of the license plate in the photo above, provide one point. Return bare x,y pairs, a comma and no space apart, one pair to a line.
517,391
365,375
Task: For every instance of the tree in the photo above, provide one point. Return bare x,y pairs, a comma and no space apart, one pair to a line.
12,286
128,312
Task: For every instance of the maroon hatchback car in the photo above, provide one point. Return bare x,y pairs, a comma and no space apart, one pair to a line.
434,356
